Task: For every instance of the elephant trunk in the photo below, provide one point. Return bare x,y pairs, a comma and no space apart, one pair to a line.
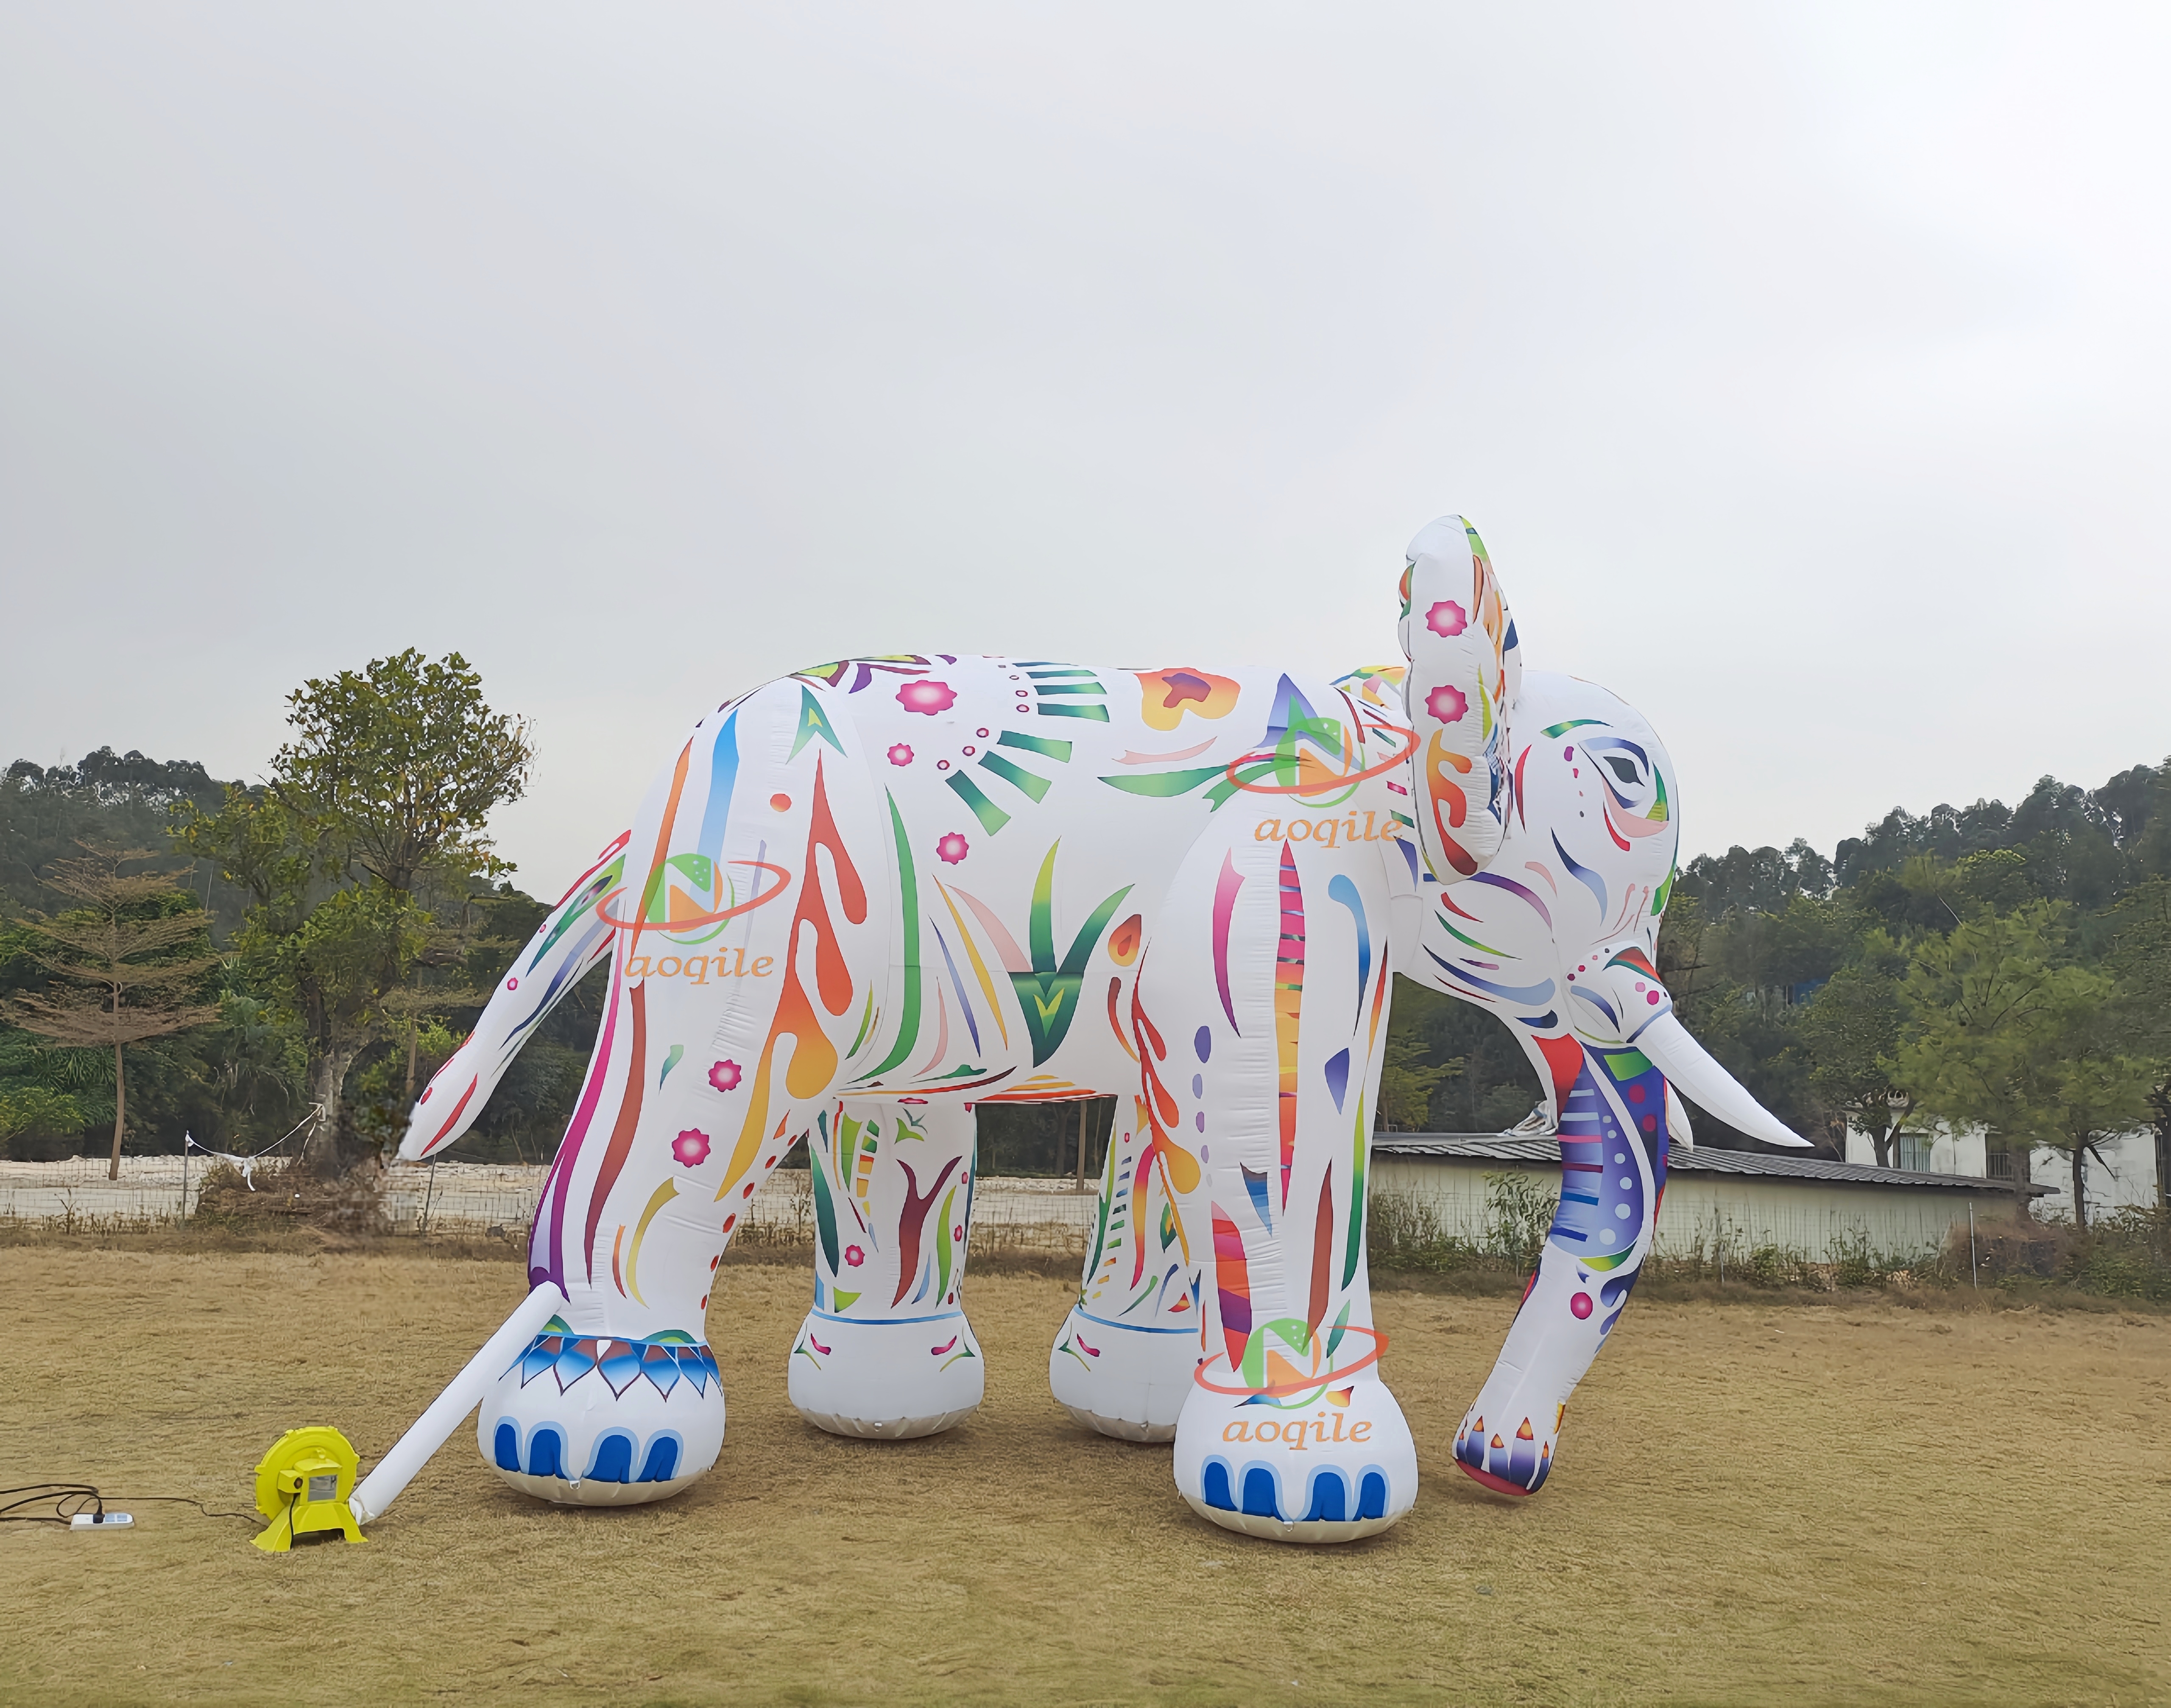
1618,1119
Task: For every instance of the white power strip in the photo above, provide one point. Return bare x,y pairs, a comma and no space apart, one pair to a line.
102,1521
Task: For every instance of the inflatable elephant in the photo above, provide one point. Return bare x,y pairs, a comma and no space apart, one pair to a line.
864,898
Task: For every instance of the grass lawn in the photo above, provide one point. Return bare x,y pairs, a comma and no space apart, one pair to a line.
1755,1502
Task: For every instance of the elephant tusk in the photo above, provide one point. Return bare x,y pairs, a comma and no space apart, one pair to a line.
1689,1066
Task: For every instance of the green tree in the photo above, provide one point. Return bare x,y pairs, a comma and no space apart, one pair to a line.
1851,1032
33,1108
1742,984
104,800
1484,1082
372,823
1994,1009
121,957
256,1060
1407,1078
2139,956
399,768
2097,1092
52,1094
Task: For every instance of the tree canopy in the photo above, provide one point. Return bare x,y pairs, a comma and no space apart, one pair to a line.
128,963
364,850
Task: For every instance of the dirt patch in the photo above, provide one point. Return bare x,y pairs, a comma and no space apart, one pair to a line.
1754,1504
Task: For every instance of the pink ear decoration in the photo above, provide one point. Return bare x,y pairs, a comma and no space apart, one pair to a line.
1447,703
1446,619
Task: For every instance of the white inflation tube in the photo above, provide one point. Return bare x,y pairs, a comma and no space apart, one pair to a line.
463,1394
1688,1065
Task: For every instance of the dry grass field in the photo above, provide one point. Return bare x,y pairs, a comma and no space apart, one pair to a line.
1755,1503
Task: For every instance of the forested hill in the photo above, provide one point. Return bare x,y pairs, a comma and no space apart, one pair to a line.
119,801
240,1081
2085,846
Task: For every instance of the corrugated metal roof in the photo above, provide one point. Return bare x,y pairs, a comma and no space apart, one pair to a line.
1498,1147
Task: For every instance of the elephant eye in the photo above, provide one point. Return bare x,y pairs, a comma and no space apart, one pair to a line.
1625,769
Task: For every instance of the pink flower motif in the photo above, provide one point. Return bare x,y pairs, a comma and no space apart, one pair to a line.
691,1148
1446,619
1447,704
900,754
952,848
854,1256
724,1076
927,695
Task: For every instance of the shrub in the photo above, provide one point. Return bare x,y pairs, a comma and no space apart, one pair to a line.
347,1203
2127,1255
1404,1232
1518,1213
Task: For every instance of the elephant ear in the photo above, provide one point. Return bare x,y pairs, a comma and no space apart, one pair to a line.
1465,673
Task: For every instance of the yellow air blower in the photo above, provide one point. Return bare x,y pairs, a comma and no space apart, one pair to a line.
302,1485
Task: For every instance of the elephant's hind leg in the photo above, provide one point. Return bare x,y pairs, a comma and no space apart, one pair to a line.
885,1351
1122,1360
744,933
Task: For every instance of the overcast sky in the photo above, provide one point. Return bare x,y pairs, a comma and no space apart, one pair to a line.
1805,368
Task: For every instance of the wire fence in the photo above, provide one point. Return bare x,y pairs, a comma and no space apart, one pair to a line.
483,1200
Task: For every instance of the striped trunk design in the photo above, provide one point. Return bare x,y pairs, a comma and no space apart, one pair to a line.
1288,1003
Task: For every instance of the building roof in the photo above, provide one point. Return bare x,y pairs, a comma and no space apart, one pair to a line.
1498,1147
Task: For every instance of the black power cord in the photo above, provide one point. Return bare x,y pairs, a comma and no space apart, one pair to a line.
68,1499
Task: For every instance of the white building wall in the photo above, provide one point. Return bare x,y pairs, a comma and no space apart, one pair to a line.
1963,1152
2126,1175
1816,1220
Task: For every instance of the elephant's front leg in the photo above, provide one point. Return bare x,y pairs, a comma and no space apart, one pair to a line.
1613,1140
1267,992
885,1351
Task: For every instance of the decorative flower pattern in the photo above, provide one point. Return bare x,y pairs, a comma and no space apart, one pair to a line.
927,695
952,848
1167,694
1447,619
854,1256
690,1149
724,1076
900,754
1447,703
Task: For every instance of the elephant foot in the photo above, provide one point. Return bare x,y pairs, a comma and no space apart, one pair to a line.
1121,1428
886,1429
1510,1434
1330,1466
887,1381
1129,1383
595,1420
1506,1441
